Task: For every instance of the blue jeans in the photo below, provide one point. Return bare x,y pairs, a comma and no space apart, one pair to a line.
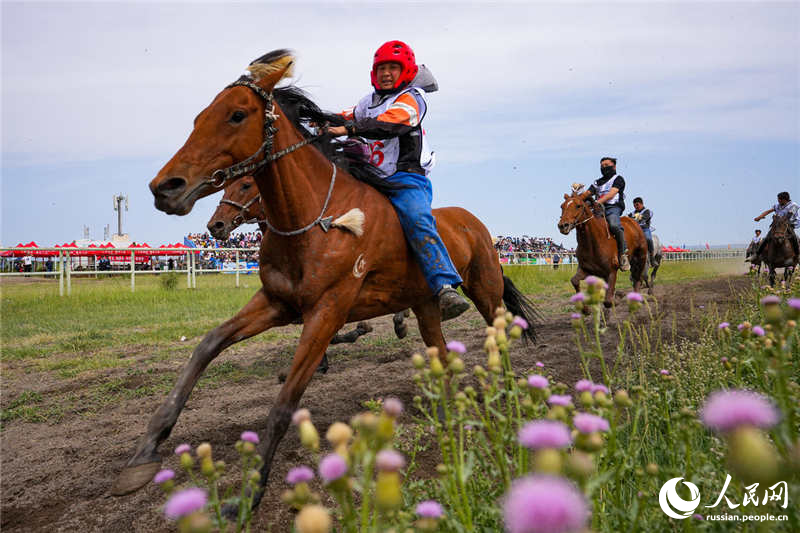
649,236
613,212
413,207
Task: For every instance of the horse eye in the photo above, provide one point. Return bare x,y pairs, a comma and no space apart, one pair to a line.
237,116
245,186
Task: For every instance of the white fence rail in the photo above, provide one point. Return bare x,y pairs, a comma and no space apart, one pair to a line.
66,263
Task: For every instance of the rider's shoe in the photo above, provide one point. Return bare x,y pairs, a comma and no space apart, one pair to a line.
451,303
624,264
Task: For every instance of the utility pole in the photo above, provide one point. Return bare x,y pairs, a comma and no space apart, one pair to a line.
106,232
86,232
118,199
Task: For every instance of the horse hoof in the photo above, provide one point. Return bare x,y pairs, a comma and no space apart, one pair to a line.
134,478
401,331
607,305
365,327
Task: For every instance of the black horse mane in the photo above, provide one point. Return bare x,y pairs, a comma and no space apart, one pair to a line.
301,111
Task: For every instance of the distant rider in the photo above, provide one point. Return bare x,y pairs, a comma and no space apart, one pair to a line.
609,190
644,217
784,207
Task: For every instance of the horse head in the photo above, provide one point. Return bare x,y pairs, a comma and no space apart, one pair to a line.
235,127
779,228
241,204
575,210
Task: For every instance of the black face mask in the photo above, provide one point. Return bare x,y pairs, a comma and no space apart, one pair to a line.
607,171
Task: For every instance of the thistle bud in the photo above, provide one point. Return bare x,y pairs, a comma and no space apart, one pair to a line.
515,332
204,450
500,324
579,465
308,435
651,469
586,398
456,366
418,361
197,522
387,490
432,351
207,466
547,461
186,461
339,433
491,331
590,442
248,448
437,370
751,456
622,399
313,519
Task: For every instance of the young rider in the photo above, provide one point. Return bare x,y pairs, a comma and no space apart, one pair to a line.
784,207
643,217
390,119
609,190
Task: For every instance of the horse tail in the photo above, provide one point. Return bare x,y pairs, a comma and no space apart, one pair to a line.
519,305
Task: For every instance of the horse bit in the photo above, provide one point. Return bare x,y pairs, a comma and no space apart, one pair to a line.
247,167
240,218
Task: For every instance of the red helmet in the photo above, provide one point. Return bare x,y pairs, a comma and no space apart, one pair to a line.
395,52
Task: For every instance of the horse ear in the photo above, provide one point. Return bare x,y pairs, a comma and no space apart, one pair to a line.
566,196
271,68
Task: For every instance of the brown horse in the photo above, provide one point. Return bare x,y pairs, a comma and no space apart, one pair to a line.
241,204
597,248
778,251
310,269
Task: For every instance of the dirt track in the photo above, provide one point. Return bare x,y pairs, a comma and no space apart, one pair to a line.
57,477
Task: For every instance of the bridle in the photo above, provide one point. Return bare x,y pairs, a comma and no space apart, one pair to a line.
250,166
240,219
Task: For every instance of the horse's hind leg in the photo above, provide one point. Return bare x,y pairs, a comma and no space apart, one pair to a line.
429,318
400,327
612,282
258,315
362,328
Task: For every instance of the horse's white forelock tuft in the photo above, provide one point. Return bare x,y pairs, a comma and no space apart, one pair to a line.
352,221
261,70
577,187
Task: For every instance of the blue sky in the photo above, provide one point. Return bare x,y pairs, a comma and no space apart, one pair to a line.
699,101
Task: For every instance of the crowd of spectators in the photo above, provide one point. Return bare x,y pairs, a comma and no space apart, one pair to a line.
209,259
526,244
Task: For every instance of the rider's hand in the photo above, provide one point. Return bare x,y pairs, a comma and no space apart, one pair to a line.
757,219
337,130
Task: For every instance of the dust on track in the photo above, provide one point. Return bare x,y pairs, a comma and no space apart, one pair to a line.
57,477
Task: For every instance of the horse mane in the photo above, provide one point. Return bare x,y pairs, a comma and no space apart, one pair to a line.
301,110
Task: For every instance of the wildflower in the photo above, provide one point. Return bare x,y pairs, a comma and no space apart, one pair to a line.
594,281
437,370
634,297
519,321
597,387
339,433
751,456
163,475
204,450
389,460
664,372
580,465
457,347
299,474
743,325
332,467
185,502
539,364
537,382
313,519
770,300
544,504
183,448
563,400
544,434
429,509
576,316
794,308
578,297
724,411
584,385
418,361
588,423
308,434
758,330
698,516
300,415
724,326
249,436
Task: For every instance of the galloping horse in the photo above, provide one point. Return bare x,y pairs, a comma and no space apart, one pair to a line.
597,249
323,270
650,273
757,260
241,204
778,251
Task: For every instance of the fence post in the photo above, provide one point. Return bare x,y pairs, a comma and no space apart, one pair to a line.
237,268
69,274
194,270
133,271
60,273
188,271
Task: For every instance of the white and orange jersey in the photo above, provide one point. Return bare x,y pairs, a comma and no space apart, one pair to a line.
392,127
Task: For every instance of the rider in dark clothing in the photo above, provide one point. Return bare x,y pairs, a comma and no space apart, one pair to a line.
609,190
643,217
785,207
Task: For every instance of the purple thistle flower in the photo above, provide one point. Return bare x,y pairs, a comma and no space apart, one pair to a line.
576,316
794,303
634,297
594,280
537,382
544,504
698,516
301,415
183,448
583,385
564,400
163,475
519,321
724,325
588,423
723,359
664,372
758,330
578,297
389,460
185,502
332,467
429,509
457,347
770,300
544,434
299,474
249,436
539,364
598,387
393,407
726,410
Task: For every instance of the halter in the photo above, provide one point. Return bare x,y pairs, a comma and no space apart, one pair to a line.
248,167
242,210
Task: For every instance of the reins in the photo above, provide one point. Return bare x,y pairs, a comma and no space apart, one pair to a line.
242,210
249,166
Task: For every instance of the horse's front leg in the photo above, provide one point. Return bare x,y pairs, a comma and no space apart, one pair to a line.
612,282
258,315
319,326
400,327
576,279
